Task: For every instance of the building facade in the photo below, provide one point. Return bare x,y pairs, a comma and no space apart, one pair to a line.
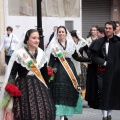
2,29
97,12
54,13
74,14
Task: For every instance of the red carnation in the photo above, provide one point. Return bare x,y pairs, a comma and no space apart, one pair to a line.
13,90
50,71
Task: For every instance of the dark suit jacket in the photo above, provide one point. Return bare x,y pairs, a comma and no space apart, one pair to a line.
111,79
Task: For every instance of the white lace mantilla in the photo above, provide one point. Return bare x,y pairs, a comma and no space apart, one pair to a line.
22,55
70,49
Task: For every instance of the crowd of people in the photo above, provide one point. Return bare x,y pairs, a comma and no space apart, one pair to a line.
40,85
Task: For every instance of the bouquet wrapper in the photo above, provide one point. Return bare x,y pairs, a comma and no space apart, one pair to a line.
8,114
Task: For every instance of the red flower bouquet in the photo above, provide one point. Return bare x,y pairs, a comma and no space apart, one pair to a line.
10,91
13,90
51,72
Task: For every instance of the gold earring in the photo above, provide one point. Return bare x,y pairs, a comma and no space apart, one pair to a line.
28,46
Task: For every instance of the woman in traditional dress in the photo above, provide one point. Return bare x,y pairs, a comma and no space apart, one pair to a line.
80,42
92,35
84,51
65,85
30,63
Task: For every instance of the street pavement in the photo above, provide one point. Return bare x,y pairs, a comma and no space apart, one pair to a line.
92,114
88,113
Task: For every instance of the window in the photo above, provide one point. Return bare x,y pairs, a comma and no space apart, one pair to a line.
69,25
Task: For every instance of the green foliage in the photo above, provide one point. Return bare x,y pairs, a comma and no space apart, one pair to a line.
51,78
5,100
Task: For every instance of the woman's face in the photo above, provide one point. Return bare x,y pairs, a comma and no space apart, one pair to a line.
94,31
61,34
117,30
34,40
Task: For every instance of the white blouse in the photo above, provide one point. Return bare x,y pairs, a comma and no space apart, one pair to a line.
7,40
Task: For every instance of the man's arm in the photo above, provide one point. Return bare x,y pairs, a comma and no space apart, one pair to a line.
97,59
80,58
51,36
84,48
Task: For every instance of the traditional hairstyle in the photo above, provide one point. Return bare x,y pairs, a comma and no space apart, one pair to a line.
28,33
74,33
81,41
63,28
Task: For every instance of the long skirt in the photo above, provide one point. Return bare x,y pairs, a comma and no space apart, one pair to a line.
35,103
66,97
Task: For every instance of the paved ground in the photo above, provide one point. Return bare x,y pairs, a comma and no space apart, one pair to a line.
91,114
88,113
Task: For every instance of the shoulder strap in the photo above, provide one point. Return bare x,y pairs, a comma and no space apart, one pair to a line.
29,63
11,40
67,68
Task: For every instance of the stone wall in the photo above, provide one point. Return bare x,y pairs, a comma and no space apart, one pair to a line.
2,63
115,10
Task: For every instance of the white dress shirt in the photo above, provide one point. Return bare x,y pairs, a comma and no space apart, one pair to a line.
107,48
7,40
118,34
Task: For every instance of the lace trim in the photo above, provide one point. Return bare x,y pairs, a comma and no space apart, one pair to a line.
70,49
41,58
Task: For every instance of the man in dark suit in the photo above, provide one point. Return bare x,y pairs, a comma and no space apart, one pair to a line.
105,54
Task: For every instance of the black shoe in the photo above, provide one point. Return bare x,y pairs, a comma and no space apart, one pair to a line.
66,118
105,118
109,117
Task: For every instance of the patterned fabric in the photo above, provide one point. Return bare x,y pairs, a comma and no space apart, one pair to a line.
62,88
65,96
35,102
22,55
83,76
62,110
68,51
